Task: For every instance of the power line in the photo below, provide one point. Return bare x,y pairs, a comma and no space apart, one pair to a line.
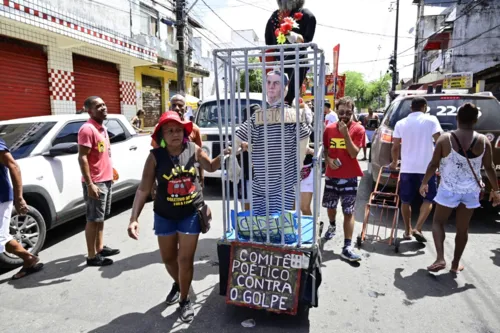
331,26
220,18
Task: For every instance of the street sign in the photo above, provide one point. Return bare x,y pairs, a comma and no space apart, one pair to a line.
458,80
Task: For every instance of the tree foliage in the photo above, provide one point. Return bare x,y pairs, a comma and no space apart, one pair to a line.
254,78
366,93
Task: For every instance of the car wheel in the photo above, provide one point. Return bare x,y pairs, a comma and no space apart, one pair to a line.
30,231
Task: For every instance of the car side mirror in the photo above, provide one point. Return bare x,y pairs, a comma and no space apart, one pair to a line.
66,148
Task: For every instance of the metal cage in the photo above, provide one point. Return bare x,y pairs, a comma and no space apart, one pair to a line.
237,61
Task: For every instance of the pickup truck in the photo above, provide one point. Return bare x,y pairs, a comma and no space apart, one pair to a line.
46,151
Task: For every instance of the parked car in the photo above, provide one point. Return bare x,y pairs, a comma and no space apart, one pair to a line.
207,120
45,149
444,106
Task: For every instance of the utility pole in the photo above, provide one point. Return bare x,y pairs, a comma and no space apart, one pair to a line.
395,56
416,65
181,51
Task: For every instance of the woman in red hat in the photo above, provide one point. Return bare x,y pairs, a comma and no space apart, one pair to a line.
179,196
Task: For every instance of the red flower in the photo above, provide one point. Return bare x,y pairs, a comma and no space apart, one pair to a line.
298,16
277,32
286,28
288,20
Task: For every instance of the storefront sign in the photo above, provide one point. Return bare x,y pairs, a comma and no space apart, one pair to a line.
458,80
264,277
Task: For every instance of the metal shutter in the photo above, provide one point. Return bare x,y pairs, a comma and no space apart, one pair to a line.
96,78
24,79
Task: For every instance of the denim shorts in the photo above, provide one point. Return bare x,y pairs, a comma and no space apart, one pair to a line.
166,227
452,200
410,185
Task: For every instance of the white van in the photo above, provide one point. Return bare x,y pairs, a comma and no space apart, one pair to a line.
208,121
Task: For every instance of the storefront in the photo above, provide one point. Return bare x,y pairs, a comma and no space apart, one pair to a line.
24,84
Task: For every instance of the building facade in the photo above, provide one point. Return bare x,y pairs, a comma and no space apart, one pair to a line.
463,38
54,54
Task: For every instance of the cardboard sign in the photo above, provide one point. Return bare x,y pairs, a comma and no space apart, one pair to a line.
259,227
264,277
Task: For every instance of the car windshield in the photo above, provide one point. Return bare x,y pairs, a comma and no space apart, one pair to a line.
22,138
445,109
208,114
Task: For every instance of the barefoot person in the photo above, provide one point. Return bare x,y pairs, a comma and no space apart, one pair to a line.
459,156
179,195
11,194
94,157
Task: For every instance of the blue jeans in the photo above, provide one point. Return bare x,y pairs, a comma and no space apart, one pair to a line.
166,227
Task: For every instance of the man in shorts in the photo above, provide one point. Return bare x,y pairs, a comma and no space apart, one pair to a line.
11,194
414,137
342,141
94,157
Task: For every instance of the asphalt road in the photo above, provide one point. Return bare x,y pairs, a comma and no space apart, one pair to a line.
386,292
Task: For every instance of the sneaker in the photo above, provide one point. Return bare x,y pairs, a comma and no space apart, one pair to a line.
330,232
108,252
187,312
98,261
173,295
350,255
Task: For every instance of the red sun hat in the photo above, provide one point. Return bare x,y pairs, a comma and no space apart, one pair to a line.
172,116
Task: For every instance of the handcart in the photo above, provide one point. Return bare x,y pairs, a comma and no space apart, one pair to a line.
384,204
270,262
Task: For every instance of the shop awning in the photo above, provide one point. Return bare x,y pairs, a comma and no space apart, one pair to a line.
438,41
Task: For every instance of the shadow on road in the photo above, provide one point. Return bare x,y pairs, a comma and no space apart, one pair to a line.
212,314
421,284
496,257
406,248
54,272
205,261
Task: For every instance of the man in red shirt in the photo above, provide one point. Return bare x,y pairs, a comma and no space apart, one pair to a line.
94,157
342,141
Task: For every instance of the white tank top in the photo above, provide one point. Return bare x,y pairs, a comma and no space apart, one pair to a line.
456,174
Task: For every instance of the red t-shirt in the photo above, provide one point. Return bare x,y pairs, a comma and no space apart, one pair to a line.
94,136
334,143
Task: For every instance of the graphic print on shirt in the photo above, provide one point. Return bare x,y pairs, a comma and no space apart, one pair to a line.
181,189
337,143
100,146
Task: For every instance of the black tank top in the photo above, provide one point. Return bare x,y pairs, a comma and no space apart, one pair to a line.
179,192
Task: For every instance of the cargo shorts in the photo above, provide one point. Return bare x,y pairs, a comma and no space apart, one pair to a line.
98,209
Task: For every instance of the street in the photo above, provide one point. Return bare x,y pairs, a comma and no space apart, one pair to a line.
385,292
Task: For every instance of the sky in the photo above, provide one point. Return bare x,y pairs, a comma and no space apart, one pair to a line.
358,50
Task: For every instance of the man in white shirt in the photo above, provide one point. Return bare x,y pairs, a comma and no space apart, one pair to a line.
330,116
414,137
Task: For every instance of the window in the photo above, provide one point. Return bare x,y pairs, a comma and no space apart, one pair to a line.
22,138
170,34
149,21
115,131
69,133
208,115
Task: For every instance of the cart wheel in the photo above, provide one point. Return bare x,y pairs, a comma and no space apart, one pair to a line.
359,241
396,245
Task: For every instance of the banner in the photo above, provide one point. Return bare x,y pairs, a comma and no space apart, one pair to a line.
340,91
336,51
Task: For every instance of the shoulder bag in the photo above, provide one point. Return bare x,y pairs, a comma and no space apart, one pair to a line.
479,182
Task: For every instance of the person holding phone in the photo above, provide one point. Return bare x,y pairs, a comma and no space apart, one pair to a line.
342,141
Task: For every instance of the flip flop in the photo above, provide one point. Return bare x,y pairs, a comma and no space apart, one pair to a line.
419,237
28,271
436,267
458,270
407,237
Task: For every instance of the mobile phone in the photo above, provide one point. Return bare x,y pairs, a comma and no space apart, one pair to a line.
337,162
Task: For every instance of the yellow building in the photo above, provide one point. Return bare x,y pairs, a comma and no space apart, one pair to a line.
155,84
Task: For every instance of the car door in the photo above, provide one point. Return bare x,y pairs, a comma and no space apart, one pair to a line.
123,156
66,172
